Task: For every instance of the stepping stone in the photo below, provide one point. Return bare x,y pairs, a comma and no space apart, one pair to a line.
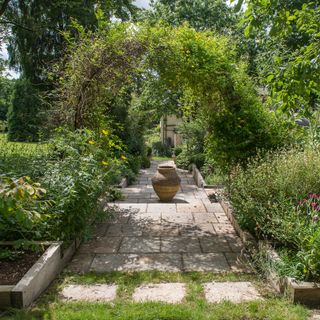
164,292
92,293
136,262
235,292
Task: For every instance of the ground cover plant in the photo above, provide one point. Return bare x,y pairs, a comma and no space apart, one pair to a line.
276,198
193,307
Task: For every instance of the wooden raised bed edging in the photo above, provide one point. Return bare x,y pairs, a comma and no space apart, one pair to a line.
307,293
39,276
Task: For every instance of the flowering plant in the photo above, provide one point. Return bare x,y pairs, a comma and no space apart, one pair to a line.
310,207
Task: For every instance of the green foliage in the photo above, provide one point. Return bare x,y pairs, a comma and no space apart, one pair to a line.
23,159
238,133
36,27
295,26
6,90
192,152
201,14
99,68
76,170
24,116
86,166
266,199
160,149
23,208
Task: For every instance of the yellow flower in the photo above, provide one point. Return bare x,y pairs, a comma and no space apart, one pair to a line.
123,157
105,163
91,142
105,132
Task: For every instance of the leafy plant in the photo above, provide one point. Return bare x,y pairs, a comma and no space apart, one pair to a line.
269,198
23,208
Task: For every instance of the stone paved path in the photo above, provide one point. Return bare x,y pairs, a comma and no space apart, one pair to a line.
190,234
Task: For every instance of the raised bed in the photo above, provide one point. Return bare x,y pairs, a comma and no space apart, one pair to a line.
38,278
307,293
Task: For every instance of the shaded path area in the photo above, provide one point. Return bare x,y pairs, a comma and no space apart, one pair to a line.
189,234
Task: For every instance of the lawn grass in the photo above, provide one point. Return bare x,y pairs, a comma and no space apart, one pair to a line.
20,158
161,158
194,306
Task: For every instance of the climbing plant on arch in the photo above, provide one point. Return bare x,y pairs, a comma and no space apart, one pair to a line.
104,65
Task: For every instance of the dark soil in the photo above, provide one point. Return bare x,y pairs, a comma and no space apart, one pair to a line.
11,272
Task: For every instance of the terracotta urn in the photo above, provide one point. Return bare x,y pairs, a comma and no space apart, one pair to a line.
166,183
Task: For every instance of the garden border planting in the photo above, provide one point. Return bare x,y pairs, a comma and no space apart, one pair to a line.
307,293
39,276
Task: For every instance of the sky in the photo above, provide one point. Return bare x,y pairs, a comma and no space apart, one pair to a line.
142,3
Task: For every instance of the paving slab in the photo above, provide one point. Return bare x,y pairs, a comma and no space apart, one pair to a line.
205,262
140,245
235,292
180,244
197,230
205,217
163,292
101,245
178,218
81,262
161,229
214,243
136,262
91,293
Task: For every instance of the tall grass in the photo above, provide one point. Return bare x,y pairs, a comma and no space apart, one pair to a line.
22,159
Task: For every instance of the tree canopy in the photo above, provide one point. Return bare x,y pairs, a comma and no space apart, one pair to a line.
295,28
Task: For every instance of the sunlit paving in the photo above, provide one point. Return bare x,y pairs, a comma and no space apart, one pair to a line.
160,160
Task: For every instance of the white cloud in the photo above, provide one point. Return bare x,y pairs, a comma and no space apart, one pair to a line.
143,3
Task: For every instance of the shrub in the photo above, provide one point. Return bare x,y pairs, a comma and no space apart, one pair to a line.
266,199
24,113
160,149
186,158
86,165
79,168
